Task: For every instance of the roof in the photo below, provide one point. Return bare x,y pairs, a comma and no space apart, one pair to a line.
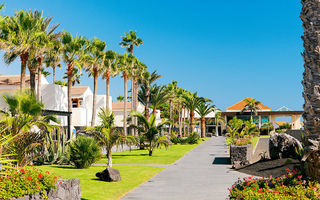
78,90
120,105
284,108
266,113
14,80
241,104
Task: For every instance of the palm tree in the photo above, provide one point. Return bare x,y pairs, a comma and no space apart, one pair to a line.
218,120
191,102
311,82
18,37
120,98
151,131
251,106
111,61
24,113
203,109
128,41
53,58
124,66
146,81
171,89
108,135
72,50
75,77
94,60
158,96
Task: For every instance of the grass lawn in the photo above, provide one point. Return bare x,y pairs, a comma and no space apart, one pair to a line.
93,189
160,156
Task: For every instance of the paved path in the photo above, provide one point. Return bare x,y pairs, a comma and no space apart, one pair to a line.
144,165
201,174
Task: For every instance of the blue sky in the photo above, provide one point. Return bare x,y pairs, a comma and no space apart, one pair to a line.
225,50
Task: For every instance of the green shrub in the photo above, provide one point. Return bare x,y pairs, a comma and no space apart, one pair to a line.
192,138
285,126
84,151
26,181
291,185
176,140
265,129
208,134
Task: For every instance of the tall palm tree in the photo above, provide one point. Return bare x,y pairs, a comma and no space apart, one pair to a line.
94,61
129,41
191,102
110,69
18,36
171,89
203,109
72,50
251,106
53,58
151,131
124,66
146,81
311,82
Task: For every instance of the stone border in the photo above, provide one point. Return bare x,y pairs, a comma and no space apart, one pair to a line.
66,189
240,155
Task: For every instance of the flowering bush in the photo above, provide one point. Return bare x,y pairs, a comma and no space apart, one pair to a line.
242,141
26,181
291,185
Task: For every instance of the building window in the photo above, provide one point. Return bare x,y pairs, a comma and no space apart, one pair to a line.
77,102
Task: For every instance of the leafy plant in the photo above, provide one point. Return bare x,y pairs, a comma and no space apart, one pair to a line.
84,151
151,131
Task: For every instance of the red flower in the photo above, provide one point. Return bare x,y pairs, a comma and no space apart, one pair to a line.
40,176
288,170
38,182
60,183
275,192
254,188
47,172
29,178
55,177
23,171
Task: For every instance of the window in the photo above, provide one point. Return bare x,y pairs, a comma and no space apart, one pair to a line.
77,102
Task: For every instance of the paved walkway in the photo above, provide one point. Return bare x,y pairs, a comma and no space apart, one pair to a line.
203,173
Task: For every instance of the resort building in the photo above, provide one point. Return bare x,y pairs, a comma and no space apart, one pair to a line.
264,114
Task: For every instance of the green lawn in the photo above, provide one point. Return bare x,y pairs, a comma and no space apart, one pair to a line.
93,189
160,156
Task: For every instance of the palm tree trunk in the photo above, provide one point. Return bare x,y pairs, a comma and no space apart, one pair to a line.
94,104
311,83
170,117
125,104
147,97
107,89
184,121
217,132
191,121
33,73
39,79
109,156
203,127
53,74
24,59
133,104
180,121
154,110
136,90
150,152
70,70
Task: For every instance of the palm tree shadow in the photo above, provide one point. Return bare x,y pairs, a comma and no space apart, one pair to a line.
64,167
122,155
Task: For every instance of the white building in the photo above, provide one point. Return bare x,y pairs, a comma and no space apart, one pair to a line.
55,98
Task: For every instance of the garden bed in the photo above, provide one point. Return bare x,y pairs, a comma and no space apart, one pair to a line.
270,167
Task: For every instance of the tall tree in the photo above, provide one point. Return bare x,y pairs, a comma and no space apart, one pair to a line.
53,58
171,89
94,61
203,109
72,50
129,41
251,106
218,120
146,81
17,38
191,102
110,69
124,66
158,96
311,84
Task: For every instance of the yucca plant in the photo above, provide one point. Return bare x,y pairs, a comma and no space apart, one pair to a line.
84,151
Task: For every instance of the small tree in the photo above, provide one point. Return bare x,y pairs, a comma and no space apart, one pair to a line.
108,135
151,131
